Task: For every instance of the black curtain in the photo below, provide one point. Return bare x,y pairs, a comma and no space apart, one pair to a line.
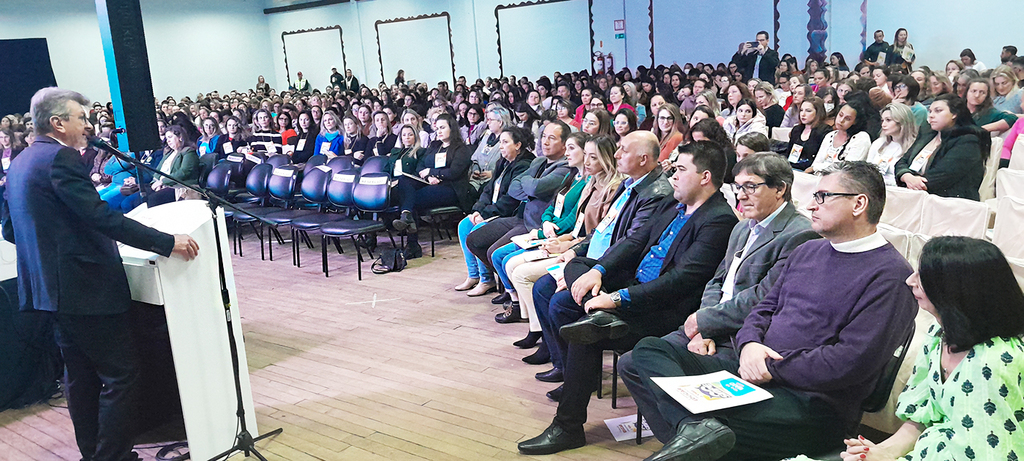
25,69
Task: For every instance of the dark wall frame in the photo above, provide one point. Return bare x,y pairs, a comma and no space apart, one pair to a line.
451,44
497,26
284,46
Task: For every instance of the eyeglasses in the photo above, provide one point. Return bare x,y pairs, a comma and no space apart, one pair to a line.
901,86
749,188
819,196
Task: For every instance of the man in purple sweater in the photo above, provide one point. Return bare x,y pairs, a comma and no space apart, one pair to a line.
817,342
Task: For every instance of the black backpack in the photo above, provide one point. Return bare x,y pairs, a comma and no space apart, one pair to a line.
390,260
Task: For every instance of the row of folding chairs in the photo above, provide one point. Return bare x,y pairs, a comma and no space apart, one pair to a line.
333,197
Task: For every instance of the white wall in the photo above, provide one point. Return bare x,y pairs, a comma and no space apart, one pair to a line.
193,45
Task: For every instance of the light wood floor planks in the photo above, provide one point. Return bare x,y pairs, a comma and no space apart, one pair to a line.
427,376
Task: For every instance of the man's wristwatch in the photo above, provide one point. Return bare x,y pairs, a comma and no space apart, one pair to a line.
616,298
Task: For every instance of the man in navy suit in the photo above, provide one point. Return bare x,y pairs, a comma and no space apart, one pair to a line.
68,264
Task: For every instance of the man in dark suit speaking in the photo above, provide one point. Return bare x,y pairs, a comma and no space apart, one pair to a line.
68,264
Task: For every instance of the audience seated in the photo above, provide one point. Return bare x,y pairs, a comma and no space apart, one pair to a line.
265,138
759,247
979,102
848,141
488,151
303,145
899,131
384,140
596,200
235,139
494,202
805,139
950,165
792,116
442,178
773,113
559,219
597,122
669,126
654,279
536,188
1011,138
179,160
819,355
975,344
749,144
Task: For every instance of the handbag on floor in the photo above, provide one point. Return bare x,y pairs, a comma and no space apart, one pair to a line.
390,260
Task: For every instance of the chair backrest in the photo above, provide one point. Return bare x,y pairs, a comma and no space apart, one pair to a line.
1008,233
243,163
341,163
781,134
219,179
283,182
987,189
1010,183
314,184
904,208
954,216
339,190
1017,156
279,160
374,164
1017,265
372,192
257,179
804,187
206,164
314,161
880,395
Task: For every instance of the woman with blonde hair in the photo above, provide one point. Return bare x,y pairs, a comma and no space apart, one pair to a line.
708,98
1005,94
899,131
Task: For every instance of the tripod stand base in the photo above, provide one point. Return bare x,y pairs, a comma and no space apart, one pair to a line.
246,444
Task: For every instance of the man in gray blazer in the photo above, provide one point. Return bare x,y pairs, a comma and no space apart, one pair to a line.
757,252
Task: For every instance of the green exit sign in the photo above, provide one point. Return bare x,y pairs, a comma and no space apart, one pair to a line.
621,36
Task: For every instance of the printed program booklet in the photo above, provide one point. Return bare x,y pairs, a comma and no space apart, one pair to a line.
710,392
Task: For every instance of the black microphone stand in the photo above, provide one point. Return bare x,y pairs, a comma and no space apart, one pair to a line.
244,442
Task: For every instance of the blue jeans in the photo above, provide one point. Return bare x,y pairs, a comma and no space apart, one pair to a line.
474,266
501,256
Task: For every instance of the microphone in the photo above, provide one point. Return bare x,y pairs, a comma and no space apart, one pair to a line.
117,131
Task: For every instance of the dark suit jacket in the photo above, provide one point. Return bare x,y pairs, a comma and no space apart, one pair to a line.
765,72
662,305
956,168
757,272
642,202
67,259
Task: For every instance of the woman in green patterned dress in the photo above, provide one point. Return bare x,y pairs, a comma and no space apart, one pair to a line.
964,398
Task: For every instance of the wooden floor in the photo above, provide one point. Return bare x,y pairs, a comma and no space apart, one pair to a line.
423,372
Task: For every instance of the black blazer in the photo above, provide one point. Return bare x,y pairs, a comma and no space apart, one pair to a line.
455,171
956,168
506,205
660,306
67,259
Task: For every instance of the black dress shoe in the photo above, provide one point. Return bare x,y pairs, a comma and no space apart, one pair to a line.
540,357
593,328
704,440
529,341
555,394
553,440
405,223
510,314
553,375
501,298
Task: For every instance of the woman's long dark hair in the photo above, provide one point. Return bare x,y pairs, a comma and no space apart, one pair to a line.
455,140
973,289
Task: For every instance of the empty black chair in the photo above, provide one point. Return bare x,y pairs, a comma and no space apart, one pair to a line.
369,195
279,160
375,164
342,163
314,190
281,187
256,185
219,179
313,162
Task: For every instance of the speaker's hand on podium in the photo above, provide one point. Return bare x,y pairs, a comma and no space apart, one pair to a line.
185,247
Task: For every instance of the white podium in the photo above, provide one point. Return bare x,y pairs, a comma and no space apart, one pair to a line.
190,294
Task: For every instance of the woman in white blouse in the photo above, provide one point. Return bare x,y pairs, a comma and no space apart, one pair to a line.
848,141
898,133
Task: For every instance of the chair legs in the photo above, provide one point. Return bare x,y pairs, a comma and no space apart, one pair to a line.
615,379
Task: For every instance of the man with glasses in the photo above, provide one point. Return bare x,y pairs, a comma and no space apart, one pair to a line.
817,342
654,279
